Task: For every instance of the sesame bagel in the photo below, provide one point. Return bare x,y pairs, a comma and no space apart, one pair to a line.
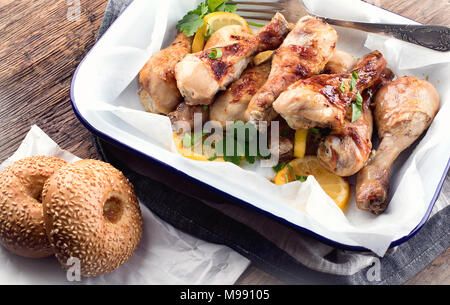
91,213
22,229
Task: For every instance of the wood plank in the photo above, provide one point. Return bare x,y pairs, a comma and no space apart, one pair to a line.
39,52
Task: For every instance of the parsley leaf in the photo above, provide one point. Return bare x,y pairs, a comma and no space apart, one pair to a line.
314,130
279,167
342,87
359,99
193,20
213,158
300,178
190,24
187,139
353,81
356,111
226,7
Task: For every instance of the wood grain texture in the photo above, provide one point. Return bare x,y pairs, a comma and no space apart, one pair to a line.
40,50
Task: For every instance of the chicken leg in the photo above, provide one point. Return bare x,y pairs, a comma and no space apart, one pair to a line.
232,103
157,86
323,100
304,53
345,152
201,75
404,108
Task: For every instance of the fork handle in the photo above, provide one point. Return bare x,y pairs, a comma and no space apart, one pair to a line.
429,36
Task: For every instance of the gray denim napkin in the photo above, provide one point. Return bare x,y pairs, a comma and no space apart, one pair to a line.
275,247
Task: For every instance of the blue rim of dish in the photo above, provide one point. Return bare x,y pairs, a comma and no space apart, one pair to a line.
317,236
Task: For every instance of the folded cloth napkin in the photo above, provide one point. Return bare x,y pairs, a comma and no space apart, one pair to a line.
279,249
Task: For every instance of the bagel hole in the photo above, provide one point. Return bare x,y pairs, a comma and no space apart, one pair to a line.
36,193
113,209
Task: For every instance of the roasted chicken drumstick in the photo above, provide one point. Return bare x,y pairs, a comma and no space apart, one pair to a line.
404,108
346,151
157,85
232,103
201,75
323,100
303,53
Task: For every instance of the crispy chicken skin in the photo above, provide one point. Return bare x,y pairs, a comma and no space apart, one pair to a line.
340,62
319,101
404,108
227,35
345,154
304,53
199,77
232,103
157,85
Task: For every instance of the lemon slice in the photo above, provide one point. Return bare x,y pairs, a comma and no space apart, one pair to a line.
213,22
189,152
262,57
336,187
300,143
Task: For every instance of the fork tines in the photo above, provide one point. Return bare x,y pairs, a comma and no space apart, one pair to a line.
269,8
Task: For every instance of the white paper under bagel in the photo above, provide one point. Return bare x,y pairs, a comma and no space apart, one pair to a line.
164,255
414,177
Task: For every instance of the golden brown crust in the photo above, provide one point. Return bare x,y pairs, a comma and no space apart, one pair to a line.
78,222
22,229
157,85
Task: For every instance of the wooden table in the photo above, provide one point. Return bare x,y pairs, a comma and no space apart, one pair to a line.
40,49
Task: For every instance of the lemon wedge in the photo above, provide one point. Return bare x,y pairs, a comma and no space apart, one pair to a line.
189,152
336,187
300,143
213,22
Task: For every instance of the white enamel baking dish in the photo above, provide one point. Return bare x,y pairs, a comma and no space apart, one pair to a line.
138,20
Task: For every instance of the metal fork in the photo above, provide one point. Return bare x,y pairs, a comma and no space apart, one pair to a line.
434,37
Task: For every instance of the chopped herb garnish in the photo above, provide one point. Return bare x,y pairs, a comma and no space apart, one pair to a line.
314,130
352,84
215,53
289,167
190,140
255,24
279,167
213,158
208,33
342,87
300,178
187,140
359,99
205,107
287,178
353,81
285,132
356,111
